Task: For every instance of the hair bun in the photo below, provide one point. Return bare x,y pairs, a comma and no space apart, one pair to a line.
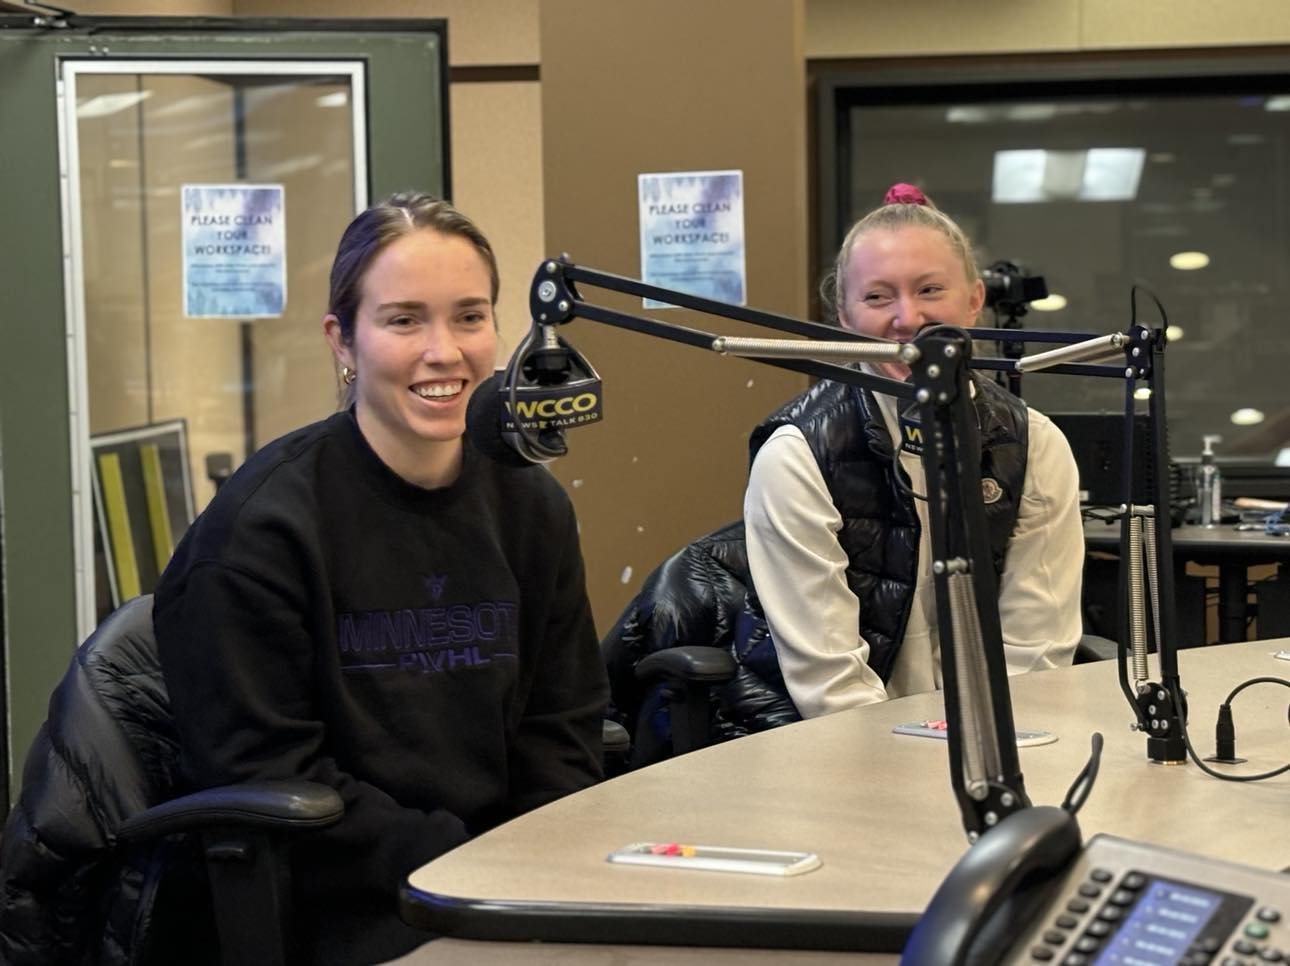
904,194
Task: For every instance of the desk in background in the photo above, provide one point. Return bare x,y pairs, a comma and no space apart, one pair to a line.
876,807
1233,551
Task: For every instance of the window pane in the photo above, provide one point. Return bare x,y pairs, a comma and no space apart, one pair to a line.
1094,193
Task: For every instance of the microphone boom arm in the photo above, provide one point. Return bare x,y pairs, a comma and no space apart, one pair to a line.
554,300
984,765
985,771
1146,573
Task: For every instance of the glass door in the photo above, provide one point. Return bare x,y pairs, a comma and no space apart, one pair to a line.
206,199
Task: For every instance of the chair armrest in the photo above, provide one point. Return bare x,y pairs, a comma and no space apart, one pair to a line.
1093,648
688,663
282,805
614,737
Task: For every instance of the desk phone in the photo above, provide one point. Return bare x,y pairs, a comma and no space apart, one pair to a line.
1036,900
1123,902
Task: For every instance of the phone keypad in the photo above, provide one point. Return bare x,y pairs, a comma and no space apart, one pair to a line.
1102,924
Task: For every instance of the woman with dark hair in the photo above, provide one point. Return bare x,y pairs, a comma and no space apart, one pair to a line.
369,604
838,548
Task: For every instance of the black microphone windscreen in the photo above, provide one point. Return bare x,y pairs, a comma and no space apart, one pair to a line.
484,424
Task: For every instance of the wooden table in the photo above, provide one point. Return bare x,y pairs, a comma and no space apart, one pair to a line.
876,807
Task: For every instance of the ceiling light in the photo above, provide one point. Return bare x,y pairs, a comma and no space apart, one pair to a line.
1031,112
105,104
1188,261
1247,417
1018,176
1098,174
967,114
1112,174
1281,102
334,99
1173,333
210,103
1053,303
1142,392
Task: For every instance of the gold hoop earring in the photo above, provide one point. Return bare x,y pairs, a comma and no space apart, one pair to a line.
348,375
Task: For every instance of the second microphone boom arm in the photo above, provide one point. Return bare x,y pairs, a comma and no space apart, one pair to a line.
1092,350
813,349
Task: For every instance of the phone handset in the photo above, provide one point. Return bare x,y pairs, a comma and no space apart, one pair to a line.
1030,847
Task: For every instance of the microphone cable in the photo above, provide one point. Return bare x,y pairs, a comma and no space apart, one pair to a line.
1080,788
1222,716
530,443
1143,286
898,474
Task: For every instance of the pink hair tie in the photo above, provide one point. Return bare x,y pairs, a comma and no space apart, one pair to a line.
904,194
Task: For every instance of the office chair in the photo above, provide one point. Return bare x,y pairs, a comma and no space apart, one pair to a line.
93,860
689,663
616,747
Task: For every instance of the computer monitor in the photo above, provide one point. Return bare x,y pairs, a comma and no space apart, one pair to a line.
1097,442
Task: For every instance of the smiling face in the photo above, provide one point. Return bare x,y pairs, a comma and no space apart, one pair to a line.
424,338
898,280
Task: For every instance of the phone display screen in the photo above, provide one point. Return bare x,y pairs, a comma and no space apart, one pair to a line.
1166,920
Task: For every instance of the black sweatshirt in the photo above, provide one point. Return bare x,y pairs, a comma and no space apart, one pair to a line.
428,653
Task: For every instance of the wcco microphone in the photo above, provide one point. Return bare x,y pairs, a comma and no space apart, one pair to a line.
519,415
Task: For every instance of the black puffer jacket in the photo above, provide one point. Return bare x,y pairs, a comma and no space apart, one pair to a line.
106,752
699,595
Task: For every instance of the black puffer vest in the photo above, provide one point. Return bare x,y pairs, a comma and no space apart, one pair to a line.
844,427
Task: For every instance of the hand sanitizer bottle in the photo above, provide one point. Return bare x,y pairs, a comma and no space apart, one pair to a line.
1209,485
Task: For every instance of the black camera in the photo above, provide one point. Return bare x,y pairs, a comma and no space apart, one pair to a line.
1008,289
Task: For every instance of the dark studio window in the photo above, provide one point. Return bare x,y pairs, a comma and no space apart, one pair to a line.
1094,174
